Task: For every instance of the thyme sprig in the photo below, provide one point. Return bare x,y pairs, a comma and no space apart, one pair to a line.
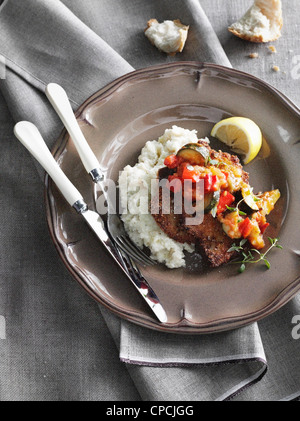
236,209
250,257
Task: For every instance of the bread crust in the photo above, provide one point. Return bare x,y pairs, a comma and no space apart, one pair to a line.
272,10
183,31
246,37
252,38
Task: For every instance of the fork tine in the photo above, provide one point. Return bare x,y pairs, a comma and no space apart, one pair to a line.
133,251
140,252
124,247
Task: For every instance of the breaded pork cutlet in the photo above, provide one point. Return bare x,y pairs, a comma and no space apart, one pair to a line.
170,223
211,240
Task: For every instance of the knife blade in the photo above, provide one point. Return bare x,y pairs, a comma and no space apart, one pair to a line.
96,223
28,134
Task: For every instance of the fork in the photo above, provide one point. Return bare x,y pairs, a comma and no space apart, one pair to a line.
61,104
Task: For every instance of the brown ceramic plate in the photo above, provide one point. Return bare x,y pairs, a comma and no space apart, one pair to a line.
117,121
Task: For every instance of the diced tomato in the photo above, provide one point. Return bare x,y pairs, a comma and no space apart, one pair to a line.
171,161
181,167
190,173
226,199
263,227
210,183
245,227
226,174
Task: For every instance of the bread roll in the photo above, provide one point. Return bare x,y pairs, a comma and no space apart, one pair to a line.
169,36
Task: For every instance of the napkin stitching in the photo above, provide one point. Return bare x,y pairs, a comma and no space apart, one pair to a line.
31,75
26,71
128,347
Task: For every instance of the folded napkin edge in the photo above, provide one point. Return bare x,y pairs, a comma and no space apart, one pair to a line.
28,76
235,359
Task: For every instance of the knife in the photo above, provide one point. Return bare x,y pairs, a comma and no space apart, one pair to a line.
28,134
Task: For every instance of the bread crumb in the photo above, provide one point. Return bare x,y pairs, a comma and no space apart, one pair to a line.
276,68
272,49
253,55
261,23
169,36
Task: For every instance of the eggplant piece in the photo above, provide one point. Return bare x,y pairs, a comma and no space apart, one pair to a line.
211,200
194,153
249,197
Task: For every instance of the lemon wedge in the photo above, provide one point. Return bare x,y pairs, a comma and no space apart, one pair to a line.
241,134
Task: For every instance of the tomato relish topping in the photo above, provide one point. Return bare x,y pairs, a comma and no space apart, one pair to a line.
225,183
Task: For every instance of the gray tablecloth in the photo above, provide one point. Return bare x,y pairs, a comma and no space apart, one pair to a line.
55,343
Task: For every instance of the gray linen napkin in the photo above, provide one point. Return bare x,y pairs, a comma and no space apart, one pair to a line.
59,47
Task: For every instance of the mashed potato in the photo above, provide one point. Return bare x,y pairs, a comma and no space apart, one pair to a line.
135,192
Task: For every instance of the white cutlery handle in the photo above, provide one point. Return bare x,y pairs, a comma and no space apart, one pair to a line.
60,102
29,135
